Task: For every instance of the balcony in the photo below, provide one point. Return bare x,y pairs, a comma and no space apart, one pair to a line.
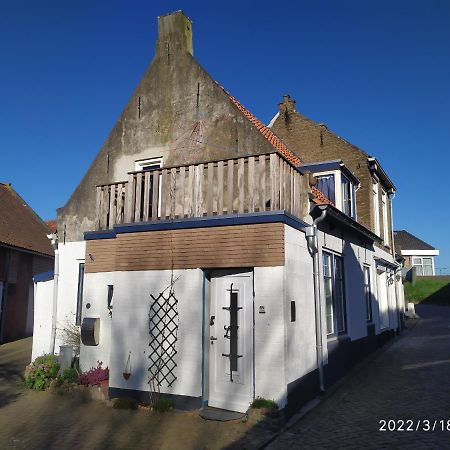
234,186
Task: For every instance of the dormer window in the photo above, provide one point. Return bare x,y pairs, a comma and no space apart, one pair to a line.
348,196
337,183
326,184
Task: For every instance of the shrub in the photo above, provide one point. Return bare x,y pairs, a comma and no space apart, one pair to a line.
94,376
125,403
40,373
263,403
71,375
162,405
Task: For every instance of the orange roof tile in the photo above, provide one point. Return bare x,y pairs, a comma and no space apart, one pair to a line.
278,144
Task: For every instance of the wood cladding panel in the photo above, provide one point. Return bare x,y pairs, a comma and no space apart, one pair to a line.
259,245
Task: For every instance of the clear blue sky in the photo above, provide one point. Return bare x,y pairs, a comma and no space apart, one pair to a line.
377,73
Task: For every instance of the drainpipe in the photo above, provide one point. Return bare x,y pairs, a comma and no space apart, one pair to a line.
399,317
54,239
313,248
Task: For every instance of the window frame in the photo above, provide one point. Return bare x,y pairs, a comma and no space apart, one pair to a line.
80,286
376,207
338,305
422,265
384,214
146,164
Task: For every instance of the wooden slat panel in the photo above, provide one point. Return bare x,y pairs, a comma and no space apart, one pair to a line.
262,182
251,184
137,205
155,193
210,191
172,193
198,191
105,207
241,185
146,213
112,206
130,199
220,188
182,188
163,188
230,186
255,245
190,192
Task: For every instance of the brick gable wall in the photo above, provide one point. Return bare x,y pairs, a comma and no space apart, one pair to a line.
314,143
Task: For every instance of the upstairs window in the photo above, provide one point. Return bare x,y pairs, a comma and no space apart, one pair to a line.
148,164
348,196
384,212
325,183
375,208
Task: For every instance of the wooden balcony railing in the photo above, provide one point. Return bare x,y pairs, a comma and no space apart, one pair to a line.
247,184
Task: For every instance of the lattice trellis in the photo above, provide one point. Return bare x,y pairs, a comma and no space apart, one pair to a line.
163,325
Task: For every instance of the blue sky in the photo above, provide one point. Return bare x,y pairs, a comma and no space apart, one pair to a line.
377,73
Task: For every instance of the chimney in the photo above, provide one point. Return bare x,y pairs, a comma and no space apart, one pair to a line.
287,105
174,34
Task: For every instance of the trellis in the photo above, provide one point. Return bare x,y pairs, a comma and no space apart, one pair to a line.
163,327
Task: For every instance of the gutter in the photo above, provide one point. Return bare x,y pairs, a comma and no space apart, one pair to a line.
313,248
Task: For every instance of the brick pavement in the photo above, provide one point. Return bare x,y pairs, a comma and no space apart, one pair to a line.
409,380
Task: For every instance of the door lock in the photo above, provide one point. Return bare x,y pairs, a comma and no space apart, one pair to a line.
212,339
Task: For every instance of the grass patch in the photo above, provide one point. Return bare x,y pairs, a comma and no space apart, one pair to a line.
162,405
429,290
125,403
260,402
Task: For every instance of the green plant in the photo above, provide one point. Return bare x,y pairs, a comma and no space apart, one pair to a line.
260,402
71,375
40,373
125,403
162,405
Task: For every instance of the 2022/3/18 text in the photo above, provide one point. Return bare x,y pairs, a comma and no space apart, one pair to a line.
408,425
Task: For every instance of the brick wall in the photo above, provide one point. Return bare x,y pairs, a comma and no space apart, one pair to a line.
313,142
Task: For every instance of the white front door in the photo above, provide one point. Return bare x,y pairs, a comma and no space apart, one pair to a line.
231,342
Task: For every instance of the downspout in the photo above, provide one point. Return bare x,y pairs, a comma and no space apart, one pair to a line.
399,316
54,239
313,248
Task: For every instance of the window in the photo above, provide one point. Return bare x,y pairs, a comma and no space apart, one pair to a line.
79,294
333,279
348,197
148,164
368,293
384,213
325,183
424,266
376,208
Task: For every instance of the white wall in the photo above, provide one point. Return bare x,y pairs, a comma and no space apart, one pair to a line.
130,327
42,330
270,377
301,356
95,294
71,255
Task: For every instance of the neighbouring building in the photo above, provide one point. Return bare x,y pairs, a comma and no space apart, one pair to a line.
190,254
417,253
25,251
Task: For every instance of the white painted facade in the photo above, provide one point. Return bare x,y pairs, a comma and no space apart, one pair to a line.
42,330
284,347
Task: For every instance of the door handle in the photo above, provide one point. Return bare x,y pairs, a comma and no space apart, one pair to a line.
212,338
